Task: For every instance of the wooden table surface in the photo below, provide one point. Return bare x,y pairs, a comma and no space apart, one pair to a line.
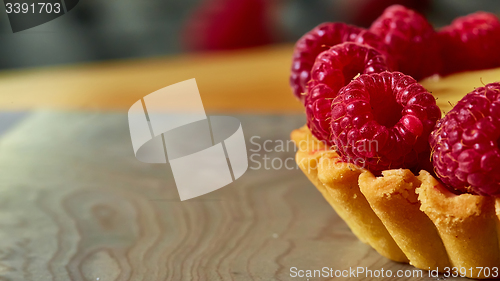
75,204
254,80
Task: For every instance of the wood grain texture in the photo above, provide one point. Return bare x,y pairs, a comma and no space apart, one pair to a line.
75,204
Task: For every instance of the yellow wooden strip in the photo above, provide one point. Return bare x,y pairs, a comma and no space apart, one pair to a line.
253,80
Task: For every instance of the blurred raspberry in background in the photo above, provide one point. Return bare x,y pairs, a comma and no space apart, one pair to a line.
229,24
234,24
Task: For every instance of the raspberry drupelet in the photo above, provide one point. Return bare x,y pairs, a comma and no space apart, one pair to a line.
383,121
332,70
319,39
465,143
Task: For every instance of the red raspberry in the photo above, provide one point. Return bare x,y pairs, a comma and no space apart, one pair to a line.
227,25
332,70
318,40
383,121
465,143
410,40
471,42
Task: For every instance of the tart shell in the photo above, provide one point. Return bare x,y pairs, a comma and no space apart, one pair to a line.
404,217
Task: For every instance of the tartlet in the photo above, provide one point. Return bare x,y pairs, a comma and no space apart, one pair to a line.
407,217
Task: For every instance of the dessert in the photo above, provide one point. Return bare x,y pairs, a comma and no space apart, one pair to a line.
371,136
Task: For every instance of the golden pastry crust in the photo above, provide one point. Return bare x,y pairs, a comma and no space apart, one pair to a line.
392,196
466,223
404,217
338,183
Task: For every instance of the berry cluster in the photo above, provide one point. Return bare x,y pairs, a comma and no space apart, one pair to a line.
361,96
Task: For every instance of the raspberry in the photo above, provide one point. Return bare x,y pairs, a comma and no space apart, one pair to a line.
227,25
410,40
383,121
465,143
332,70
471,42
318,40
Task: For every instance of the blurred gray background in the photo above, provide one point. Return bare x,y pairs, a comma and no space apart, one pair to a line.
120,29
